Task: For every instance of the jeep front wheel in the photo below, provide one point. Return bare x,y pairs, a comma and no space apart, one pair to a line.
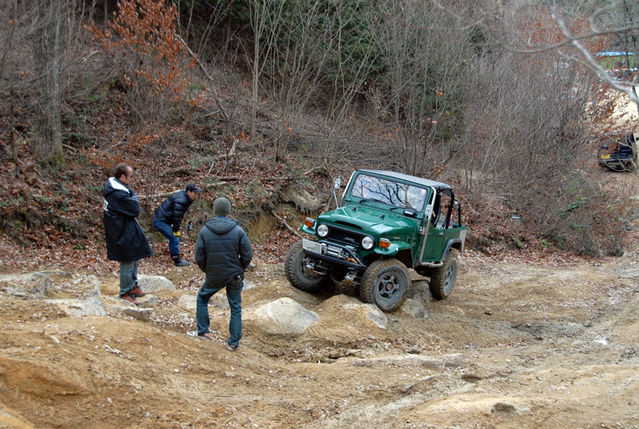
443,278
385,283
297,273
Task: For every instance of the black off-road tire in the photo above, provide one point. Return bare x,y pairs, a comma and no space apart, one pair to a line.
296,272
385,284
443,278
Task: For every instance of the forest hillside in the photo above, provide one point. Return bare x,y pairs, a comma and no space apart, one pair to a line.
260,100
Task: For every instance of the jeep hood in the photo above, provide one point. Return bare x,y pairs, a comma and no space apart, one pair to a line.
369,220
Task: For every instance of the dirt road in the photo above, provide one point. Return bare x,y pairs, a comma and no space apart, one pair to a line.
516,345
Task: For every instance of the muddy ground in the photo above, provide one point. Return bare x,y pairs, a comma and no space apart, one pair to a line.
526,345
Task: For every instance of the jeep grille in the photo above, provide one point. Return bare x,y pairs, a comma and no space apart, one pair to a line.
344,236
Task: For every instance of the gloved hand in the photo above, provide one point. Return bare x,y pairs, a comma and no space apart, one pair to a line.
177,234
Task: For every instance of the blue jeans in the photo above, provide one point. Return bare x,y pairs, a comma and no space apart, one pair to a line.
167,231
234,296
128,276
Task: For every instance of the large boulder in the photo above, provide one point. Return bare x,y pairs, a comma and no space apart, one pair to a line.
32,285
92,306
155,284
282,317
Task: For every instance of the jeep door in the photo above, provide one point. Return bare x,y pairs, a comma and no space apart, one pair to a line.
440,230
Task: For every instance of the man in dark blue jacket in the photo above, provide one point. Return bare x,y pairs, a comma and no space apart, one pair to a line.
125,239
168,218
223,252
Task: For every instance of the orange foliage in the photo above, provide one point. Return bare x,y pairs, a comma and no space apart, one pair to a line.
145,30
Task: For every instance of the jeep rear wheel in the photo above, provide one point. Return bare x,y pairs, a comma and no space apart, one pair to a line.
385,284
297,273
443,278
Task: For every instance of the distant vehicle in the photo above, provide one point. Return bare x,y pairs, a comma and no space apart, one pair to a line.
386,223
619,154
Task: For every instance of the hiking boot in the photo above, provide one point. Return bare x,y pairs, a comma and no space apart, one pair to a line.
136,292
181,262
127,297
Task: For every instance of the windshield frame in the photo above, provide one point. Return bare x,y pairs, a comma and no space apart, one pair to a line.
387,196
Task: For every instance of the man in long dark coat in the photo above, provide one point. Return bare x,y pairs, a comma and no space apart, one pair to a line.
125,239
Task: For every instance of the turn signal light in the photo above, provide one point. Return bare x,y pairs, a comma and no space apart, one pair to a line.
384,243
309,222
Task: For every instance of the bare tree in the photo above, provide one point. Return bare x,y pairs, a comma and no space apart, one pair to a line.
50,19
266,18
425,77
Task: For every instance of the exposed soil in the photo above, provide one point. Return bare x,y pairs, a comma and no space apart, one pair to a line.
516,345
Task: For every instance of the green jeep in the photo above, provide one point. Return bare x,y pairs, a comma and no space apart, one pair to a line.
386,223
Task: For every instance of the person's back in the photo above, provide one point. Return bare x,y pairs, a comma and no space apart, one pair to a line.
223,252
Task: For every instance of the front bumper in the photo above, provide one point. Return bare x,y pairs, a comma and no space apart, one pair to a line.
333,253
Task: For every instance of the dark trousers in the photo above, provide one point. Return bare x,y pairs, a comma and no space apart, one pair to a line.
234,297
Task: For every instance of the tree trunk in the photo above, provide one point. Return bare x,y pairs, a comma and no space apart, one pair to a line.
49,47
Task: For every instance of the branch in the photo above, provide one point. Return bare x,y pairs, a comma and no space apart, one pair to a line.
590,61
208,76
283,222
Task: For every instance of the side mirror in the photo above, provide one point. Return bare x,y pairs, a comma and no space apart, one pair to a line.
336,185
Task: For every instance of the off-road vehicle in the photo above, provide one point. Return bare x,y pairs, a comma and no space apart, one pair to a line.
618,153
385,223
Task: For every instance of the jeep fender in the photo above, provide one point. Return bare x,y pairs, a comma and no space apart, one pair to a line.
393,249
457,243
399,250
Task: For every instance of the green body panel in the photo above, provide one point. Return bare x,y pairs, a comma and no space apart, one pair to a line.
437,242
361,216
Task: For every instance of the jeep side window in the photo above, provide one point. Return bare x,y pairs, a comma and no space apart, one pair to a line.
436,209
445,206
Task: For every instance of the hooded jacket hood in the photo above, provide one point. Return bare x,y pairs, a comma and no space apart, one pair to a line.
220,225
113,185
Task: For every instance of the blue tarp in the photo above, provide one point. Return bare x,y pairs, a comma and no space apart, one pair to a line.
614,54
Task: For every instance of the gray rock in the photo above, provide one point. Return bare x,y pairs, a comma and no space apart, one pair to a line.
147,301
187,302
282,317
371,312
26,285
143,314
155,284
420,290
92,306
504,407
414,307
116,305
94,285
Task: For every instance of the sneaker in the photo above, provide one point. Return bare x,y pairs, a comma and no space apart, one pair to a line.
131,299
232,347
206,335
181,263
137,292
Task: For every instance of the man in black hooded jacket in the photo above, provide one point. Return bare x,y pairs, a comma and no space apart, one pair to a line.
125,239
223,252
168,218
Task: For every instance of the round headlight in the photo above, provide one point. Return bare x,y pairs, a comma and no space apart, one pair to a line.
322,230
367,242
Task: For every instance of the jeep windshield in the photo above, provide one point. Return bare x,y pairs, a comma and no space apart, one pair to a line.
395,194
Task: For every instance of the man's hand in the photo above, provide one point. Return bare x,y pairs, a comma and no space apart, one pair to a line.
177,234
